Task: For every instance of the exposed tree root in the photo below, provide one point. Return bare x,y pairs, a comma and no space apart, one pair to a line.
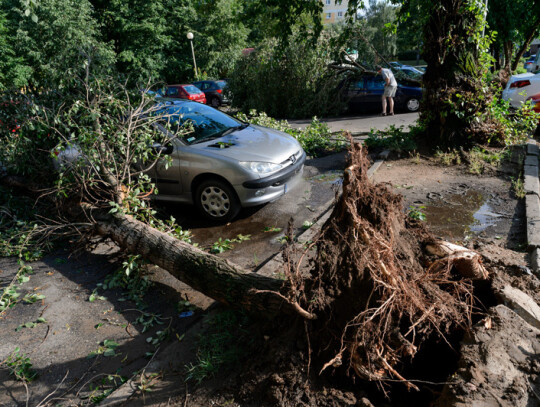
375,294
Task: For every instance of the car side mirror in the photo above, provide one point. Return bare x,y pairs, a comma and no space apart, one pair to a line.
163,150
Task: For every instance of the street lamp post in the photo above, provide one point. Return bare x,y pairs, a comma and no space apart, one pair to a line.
190,38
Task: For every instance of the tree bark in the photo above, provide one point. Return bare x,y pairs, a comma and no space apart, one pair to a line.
533,32
453,89
209,274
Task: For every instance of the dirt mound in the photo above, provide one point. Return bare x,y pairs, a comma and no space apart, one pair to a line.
499,365
375,294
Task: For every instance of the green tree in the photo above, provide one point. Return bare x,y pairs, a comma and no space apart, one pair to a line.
293,81
219,35
12,74
379,17
150,38
55,44
516,23
138,30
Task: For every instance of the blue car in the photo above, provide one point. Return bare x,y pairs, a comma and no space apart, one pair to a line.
365,93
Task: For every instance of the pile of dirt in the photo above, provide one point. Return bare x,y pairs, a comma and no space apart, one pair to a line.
379,299
499,365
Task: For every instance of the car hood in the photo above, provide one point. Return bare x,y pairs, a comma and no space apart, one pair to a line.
254,143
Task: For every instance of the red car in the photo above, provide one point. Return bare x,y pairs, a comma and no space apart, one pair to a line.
535,99
190,92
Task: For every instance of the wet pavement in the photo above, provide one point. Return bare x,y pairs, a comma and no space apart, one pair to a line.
458,215
264,227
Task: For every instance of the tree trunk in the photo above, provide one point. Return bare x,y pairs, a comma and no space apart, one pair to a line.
209,274
528,38
453,79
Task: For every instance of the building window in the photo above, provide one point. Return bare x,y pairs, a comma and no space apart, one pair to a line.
340,14
328,2
328,16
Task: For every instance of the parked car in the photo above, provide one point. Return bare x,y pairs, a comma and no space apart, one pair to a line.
529,64
535,101
223,165
520,86
411,71
189,92
214,91
365,93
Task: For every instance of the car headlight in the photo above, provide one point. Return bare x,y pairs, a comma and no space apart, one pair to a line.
260,167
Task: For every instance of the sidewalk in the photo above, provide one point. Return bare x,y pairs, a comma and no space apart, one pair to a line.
362,124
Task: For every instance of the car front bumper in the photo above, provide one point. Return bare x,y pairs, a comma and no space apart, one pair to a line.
263,190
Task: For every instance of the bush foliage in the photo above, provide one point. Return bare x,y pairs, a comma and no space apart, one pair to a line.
315,139
292,82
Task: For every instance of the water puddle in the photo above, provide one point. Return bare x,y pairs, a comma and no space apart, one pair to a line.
457,215
330,177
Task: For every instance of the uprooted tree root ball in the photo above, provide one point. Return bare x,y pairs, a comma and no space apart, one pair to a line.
376,292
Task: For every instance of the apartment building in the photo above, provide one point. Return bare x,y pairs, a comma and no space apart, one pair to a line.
334,11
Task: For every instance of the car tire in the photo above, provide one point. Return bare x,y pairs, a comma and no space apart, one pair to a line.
215,102
216,200
412,105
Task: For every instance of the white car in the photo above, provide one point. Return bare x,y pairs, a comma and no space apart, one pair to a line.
520,87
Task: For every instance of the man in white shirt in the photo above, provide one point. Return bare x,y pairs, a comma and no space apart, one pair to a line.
390,88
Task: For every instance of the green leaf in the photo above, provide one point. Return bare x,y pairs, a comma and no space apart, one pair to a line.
109,353
110,343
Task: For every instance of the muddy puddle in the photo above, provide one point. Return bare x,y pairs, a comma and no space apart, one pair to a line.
458,214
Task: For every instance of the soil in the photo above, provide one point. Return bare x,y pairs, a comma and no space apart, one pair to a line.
272,366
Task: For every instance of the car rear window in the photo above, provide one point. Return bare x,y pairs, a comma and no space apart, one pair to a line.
191,89
221,84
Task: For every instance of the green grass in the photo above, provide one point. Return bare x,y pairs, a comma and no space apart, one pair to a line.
223,344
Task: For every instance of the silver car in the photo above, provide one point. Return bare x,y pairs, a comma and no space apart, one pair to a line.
225,164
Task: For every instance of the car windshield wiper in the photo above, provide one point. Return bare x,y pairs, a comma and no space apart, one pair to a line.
236,128
222,133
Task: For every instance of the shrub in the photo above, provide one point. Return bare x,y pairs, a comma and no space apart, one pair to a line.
394,138
315,139
292,82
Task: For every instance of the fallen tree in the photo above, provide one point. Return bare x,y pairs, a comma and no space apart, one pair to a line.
371,297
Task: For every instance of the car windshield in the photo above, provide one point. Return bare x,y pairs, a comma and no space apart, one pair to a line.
191,89
208,123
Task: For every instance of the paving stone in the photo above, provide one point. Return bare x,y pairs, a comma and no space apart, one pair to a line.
374,168
531,181
521,303
534,260
532,207
533,233
532,147
531,160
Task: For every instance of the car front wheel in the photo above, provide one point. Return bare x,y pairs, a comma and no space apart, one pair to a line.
216,200
412,105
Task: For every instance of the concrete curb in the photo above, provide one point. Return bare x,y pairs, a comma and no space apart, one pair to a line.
531,184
